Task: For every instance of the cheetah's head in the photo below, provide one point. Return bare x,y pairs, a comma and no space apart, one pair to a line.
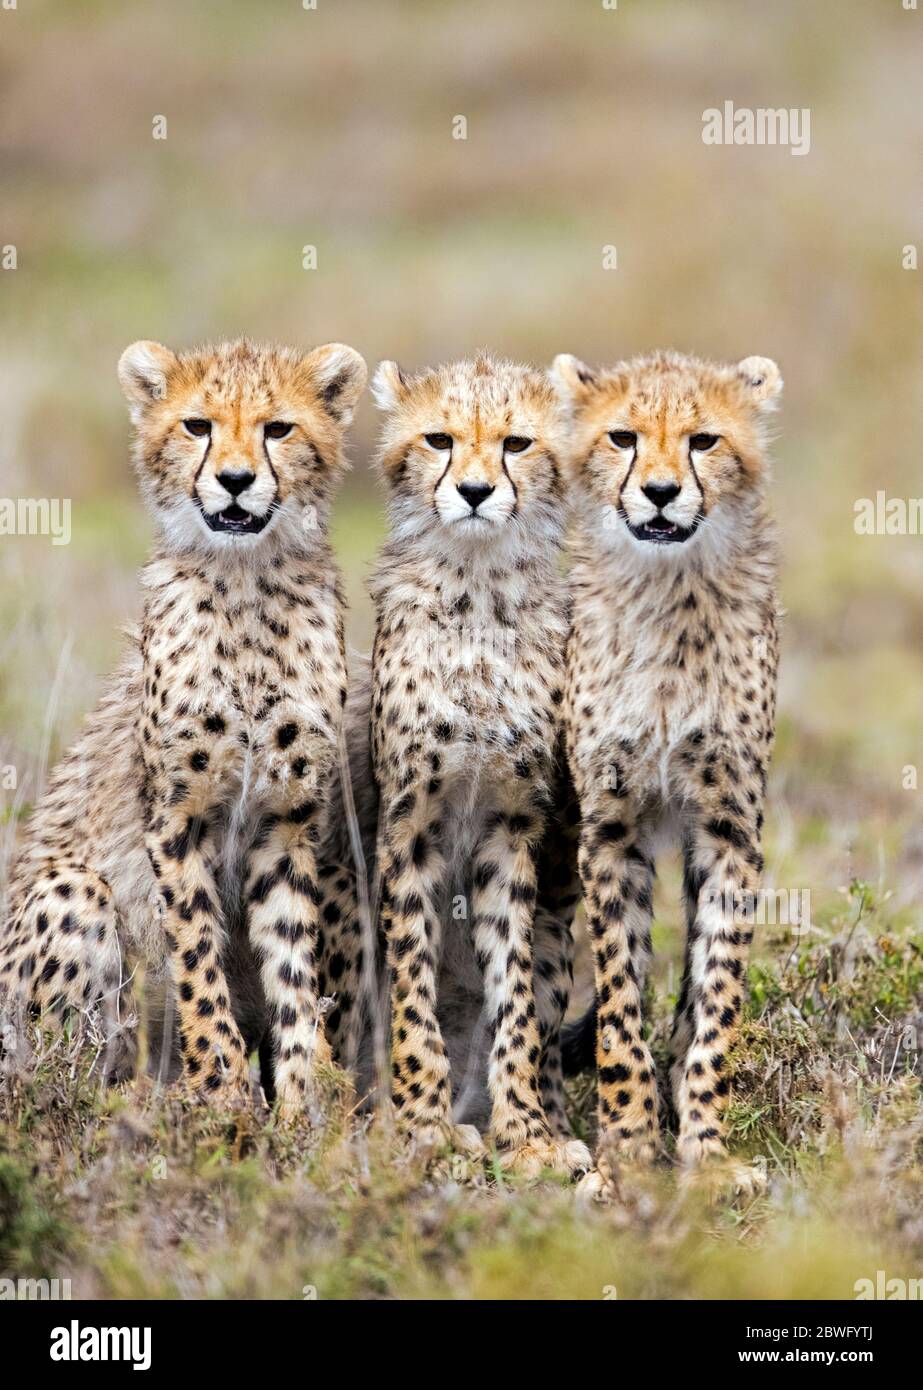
470,451
238,442
667,447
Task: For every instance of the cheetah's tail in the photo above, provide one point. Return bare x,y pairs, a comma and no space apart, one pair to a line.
578,1044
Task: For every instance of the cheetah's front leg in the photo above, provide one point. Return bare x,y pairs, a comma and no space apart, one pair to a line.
182,851
504,895
282,896
617,876
412,868
722,877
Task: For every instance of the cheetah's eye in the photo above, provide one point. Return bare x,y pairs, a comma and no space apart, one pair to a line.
439,442
623,439
701,443
277,429
516,444
198,427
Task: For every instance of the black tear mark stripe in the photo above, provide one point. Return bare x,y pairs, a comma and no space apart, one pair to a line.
441,476
275,476
208,449
697,482
511,482
631,469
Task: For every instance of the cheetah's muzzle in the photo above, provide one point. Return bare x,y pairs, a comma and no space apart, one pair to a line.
661,532
235,520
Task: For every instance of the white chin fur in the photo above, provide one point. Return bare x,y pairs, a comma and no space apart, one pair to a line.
424,528
714,539
485,516
184,528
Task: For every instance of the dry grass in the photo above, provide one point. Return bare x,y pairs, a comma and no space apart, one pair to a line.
132,1193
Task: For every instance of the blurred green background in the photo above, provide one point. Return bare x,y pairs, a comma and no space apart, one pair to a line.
332,127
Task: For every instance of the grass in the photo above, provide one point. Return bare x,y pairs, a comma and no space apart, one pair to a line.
131,1193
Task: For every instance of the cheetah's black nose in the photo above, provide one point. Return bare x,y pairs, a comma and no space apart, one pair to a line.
475,493
236,479
661,493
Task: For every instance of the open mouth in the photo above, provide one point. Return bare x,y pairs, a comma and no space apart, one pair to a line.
661,532
235,521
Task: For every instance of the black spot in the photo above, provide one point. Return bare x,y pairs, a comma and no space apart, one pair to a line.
727,830
611,832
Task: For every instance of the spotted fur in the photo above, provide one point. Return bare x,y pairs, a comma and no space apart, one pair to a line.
183,827
669,708
460,984
467,682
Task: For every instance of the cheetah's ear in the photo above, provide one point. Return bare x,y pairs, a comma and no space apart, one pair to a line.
337,374
572,379
763,379
143,371
388,386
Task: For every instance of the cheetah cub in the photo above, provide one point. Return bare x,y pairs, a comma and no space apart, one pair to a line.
669,709
183,826
467,677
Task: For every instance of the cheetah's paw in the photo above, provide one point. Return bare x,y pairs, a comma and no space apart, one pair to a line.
595,1188
615,1158
435,1138
721,1178
537,1156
